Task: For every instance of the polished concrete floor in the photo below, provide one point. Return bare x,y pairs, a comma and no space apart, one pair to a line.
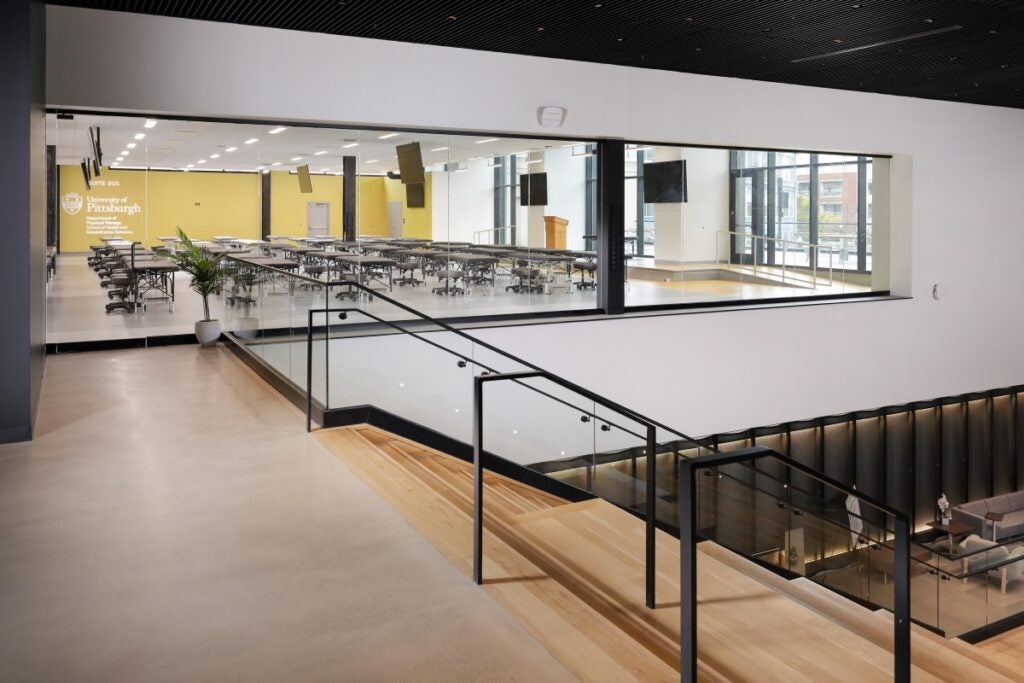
172,521
76,302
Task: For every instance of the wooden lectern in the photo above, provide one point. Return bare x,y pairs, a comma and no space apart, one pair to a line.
554,231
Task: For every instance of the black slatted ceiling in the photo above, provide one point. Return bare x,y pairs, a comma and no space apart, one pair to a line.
980,62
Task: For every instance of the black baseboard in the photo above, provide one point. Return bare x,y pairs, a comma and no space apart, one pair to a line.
994,629
112,344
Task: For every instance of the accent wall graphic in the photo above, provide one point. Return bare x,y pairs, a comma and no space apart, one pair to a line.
113,207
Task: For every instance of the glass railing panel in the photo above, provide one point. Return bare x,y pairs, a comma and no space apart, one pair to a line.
530,420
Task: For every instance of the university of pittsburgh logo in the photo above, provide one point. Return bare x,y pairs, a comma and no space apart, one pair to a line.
71,203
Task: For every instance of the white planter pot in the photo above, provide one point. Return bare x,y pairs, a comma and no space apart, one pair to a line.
208,332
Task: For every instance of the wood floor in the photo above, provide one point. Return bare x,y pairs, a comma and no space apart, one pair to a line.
573,575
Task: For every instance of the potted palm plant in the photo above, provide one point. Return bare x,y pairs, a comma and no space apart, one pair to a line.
207,273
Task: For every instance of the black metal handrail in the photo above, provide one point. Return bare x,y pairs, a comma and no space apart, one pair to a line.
461,356
688,477
622,410
478,481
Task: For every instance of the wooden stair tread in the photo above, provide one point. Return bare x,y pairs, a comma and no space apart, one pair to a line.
573,575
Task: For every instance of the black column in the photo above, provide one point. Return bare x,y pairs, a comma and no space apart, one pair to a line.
265,205
52,191
23,196
348,198
611,226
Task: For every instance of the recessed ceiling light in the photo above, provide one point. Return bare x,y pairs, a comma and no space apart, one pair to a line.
139,136
201,161
279,129
114,164
276,163
370,161
534,161
191,166
266,170
251,140
296,158
230,149
323,151
120,158
125,152
131,145
929,21
386,136
439,149
150,123
260,168
480,142
620,39
350,145
214,156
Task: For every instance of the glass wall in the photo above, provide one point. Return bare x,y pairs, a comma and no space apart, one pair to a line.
454,226
715,225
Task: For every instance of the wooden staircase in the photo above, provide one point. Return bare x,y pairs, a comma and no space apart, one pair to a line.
573,575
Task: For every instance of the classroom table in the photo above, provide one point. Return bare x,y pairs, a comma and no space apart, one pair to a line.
547,260
472,269
421,255
366,268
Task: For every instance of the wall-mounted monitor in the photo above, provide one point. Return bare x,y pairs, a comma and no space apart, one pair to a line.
415,196
305,182
665,182
533,189
410,163
85,174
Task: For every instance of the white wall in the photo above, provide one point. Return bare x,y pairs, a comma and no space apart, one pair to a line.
463,202
955,180
566,192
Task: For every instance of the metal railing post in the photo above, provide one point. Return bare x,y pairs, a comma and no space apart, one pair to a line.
478,480
309,373
651,517
901,602
687,574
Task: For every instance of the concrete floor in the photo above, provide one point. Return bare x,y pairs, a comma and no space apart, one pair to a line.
76,303
172,522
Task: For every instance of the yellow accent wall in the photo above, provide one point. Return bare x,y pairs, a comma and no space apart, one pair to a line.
416,222
203,204
371,206
146,205
288,206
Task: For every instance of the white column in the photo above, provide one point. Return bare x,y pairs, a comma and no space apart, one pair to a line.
668,218
535,214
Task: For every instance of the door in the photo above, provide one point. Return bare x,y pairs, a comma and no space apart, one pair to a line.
395,219
748,217
318,219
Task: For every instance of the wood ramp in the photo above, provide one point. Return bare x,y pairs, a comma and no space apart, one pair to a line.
573,575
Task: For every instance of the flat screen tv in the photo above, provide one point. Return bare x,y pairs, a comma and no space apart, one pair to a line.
533,189
415,196
85,174
665,182
410,163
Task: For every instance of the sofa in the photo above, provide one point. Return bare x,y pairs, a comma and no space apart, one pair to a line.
999,557
1011,506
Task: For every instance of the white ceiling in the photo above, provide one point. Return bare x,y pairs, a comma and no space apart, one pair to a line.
191,145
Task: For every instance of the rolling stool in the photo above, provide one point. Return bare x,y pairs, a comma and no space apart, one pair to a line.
585,267
451,282
524,280
407,274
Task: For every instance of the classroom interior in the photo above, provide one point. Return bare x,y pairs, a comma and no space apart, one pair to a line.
736,226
